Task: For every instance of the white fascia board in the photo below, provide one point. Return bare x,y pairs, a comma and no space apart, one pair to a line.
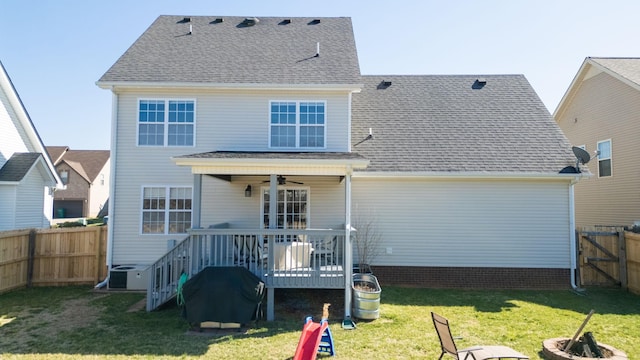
268,166
472,175
116,85
28,126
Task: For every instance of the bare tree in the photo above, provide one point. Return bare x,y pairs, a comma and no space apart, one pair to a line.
367,239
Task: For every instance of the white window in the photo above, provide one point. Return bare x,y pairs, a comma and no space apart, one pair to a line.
166,122
297,124
166,210
604,158
292,208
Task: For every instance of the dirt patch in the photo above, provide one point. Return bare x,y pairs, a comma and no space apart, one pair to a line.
38,322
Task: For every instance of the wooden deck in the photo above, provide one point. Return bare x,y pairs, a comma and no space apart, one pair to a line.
280,258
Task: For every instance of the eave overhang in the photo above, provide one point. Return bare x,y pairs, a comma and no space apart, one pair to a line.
266,163
133,85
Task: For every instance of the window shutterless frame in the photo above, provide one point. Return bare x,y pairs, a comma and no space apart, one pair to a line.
298,124
605,164
166,122
165,209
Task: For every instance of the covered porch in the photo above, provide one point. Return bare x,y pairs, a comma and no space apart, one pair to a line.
287,245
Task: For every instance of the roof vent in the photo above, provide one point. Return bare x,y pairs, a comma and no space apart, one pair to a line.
184,20
314,22
217,21
479,83
384,84
250,21
285,22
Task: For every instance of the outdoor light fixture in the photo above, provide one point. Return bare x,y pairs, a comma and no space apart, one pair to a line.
247,191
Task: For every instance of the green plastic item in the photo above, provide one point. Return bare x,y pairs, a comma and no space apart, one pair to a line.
179,297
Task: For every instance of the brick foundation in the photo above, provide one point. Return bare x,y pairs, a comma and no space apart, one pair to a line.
473,277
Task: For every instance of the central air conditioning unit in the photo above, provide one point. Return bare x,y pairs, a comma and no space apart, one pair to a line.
129,277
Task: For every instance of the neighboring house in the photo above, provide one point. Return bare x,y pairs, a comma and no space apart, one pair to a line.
27,176
600,112
86,175
217,118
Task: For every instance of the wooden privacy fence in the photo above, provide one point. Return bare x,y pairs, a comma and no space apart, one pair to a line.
53,257
609,256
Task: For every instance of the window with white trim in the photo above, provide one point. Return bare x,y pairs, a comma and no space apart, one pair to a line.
297,124
166,210
292,208
604,158
166,122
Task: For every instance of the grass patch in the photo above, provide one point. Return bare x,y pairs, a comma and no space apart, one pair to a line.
77,323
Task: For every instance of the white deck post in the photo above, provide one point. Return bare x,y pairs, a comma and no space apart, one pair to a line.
273,224
348,257
197,201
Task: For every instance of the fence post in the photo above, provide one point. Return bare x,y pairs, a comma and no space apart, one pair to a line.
622,258
98,242
31,258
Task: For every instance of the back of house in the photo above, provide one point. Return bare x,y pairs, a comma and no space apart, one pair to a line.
267,123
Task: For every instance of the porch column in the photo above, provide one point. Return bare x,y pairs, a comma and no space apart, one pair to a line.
196,202
273,224
348,261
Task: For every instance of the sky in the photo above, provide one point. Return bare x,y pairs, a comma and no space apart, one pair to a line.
55,51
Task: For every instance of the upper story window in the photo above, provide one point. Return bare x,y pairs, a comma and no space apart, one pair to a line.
64,176
297,124
166,122
604,158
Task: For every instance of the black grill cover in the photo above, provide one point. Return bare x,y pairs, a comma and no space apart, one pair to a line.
222,294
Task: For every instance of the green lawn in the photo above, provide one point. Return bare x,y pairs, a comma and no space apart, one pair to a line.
77,323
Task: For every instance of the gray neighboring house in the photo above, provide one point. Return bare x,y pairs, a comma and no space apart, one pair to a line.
224,116
27,176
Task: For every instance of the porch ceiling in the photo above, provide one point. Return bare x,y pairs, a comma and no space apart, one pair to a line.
265,163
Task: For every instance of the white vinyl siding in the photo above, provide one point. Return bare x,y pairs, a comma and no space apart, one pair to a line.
467,223
29,212
7,207
229,120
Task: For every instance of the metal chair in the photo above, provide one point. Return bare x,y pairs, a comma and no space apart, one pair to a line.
477,352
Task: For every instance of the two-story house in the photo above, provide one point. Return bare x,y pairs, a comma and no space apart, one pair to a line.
27,176
262,131
600,112
86,175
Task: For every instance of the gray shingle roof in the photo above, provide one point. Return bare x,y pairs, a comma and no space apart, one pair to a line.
17,166
443,123
628,68
270,52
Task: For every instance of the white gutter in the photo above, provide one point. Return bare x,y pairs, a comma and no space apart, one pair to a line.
112,187
469,175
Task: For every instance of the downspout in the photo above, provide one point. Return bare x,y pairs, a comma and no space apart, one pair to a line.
112,187
572,236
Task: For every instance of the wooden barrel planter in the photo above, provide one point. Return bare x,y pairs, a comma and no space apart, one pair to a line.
366,296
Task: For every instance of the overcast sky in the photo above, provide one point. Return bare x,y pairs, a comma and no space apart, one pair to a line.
55,51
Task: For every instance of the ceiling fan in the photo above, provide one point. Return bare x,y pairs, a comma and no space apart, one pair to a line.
283,181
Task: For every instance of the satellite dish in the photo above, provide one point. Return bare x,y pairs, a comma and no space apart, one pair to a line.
581,154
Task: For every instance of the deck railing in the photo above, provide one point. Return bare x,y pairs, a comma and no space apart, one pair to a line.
281,258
